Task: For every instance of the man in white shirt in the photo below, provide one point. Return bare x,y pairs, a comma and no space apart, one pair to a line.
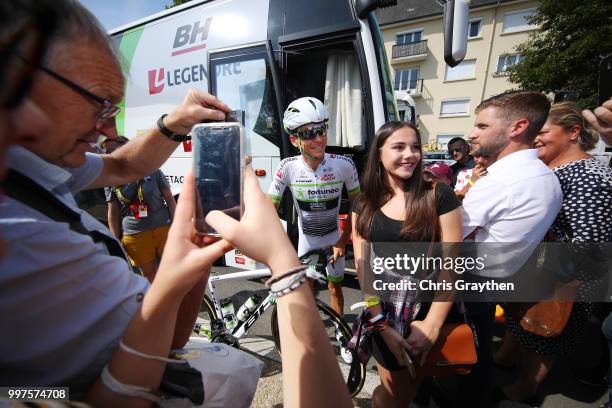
516,203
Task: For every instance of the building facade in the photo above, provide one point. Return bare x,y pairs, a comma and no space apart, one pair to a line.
445,98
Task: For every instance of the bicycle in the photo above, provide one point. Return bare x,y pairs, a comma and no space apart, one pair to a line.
210,324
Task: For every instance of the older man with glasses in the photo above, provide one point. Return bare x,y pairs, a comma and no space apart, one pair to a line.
67,294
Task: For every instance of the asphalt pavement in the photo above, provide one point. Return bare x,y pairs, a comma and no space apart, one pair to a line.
559,390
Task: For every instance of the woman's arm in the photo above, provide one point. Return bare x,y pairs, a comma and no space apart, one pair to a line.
114,217
170,201
183,266
311,375
424,333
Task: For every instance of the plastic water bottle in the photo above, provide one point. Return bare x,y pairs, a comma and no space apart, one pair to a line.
248,307
230,321
227,307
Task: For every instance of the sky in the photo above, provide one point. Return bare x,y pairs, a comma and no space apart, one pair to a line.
116,13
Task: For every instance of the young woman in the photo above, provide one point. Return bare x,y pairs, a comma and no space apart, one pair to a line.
398,205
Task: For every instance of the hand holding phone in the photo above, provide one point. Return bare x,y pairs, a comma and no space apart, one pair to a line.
218,152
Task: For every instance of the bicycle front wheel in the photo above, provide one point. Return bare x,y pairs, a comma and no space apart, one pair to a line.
205,318
339,335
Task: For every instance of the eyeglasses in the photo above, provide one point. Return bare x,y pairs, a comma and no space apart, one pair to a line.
109,109
22,48
311,133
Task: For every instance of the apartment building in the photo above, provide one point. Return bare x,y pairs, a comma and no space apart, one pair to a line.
444,97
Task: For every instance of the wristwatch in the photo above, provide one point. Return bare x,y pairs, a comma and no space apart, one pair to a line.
168,133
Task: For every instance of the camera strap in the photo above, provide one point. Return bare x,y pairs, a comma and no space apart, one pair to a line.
30,193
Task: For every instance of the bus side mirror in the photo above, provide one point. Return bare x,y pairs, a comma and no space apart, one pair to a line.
456,17
364,7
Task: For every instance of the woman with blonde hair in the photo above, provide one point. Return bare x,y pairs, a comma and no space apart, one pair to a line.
585,216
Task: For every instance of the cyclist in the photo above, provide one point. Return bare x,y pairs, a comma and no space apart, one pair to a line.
315,179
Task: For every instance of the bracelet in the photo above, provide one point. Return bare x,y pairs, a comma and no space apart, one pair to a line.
470,182
120,388
295,283
380,326
290,272
130,350
290,283
372,301
168,133
376,318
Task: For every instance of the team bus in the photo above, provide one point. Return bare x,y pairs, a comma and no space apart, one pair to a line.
257,56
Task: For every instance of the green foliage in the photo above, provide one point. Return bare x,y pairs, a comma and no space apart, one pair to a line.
177,3
565,54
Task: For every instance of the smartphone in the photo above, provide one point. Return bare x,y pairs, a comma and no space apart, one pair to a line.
218,153
605,80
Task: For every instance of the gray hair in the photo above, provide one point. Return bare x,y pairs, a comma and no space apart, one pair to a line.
76,24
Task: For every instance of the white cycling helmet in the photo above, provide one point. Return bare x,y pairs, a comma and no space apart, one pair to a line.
302,111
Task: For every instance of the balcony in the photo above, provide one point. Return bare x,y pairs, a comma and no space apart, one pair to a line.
417,91
415,51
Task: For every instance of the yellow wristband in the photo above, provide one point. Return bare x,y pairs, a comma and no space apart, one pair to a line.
372,301
470,182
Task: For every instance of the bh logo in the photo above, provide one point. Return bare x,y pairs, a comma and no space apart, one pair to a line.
188,38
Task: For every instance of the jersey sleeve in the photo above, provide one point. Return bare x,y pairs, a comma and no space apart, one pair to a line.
351,179
279,182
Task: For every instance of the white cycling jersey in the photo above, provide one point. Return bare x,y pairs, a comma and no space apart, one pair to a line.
316,195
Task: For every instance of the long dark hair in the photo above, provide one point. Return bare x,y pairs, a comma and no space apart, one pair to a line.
421,222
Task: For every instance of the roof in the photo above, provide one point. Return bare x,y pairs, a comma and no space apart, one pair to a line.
407,10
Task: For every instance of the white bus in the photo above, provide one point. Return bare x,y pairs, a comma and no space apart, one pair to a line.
258,55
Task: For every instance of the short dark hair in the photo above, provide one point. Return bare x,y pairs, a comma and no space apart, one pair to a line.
455,141
514,105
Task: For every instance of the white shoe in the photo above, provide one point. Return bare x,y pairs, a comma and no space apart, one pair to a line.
346,354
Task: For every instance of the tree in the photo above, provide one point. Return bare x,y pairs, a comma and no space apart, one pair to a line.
565,54
177,3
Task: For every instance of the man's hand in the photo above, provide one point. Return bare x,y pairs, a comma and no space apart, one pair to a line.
601,119
198,106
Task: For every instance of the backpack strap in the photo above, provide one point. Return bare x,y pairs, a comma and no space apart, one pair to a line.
30,193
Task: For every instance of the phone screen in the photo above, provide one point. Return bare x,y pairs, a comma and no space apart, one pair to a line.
217,155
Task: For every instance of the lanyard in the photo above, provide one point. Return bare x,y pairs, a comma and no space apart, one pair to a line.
139,193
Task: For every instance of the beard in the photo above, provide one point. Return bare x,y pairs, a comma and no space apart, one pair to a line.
491,148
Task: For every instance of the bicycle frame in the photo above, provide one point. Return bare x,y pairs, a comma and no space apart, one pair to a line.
242,327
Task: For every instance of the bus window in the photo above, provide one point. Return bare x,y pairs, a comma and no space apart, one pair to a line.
243,80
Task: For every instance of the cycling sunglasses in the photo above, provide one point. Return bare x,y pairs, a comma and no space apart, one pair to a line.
311,133
21,51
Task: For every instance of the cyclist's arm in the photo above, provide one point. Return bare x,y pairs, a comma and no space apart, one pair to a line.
278,185
346,233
